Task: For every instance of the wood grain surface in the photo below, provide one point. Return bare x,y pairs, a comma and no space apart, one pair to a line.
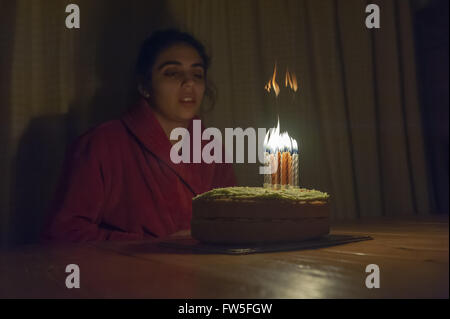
412,255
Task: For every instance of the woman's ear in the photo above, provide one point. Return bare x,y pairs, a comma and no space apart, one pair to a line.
143,91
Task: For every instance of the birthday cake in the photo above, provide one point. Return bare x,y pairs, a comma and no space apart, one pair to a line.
241,215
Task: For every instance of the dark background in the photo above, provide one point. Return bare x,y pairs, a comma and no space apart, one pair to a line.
431,34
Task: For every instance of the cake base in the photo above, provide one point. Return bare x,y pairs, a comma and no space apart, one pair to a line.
224,221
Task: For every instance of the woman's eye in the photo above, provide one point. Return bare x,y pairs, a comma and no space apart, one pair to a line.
176,74
170,73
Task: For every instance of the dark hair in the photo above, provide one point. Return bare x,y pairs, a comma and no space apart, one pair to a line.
163,39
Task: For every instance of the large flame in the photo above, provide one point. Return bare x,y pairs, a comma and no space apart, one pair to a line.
291,80
272,84
274,141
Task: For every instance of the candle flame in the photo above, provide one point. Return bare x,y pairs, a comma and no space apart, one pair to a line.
272,84
291,80
287,79
294,146
274,141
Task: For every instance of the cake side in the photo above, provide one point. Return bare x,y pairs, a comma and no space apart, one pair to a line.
258,232
252,216
257,209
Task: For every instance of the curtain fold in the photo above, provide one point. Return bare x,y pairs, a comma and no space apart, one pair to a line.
356,115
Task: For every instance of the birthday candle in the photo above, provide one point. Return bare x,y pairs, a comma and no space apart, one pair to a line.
295,174
273,163
289,165
286,169
267,177
278,180
282,157
295,163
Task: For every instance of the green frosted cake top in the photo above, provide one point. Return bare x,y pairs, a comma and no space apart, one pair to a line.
251,193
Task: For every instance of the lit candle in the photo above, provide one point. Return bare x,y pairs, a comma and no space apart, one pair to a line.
273,167
285,149
278,180
295,163
267,163
290,179
285,168
282,157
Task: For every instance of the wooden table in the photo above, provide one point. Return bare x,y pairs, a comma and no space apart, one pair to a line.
412,255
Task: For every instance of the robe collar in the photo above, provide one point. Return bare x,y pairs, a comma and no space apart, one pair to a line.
143,124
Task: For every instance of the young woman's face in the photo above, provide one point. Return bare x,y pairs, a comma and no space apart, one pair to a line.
178,83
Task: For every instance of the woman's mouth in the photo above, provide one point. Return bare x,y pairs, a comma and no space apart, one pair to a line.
188,101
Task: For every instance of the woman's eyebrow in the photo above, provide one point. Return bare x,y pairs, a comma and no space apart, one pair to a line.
179,63
198,65
168,63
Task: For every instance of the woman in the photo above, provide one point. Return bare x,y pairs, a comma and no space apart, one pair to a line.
119,182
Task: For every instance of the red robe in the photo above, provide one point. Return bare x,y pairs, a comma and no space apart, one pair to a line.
118,183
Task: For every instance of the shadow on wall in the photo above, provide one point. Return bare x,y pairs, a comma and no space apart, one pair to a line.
36,166
7,18
41,150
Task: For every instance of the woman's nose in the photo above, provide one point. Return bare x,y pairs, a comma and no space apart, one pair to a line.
187,79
